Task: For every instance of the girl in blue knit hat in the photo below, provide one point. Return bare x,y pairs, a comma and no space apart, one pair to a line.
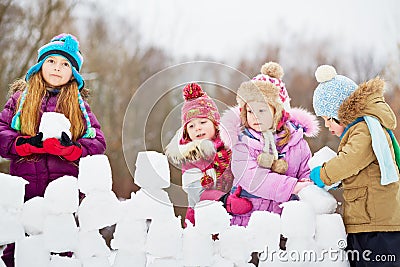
366,164
53,84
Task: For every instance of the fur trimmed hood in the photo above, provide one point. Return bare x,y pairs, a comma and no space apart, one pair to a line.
230,124
368,100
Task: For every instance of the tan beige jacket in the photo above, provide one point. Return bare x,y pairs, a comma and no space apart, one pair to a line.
369,206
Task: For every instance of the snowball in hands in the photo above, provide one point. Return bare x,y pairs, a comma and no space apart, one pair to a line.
52,124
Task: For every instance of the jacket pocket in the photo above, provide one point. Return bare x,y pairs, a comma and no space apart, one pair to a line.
355,206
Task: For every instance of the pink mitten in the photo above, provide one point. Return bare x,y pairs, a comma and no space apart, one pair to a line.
235,204
189,216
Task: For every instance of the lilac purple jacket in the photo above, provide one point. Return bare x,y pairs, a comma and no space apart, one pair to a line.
40,169
264,188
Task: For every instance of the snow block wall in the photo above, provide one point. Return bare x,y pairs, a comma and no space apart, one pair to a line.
147,232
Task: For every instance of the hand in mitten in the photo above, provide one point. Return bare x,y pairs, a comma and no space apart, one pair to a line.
28,145
235,204
265,160
279,166
64,147
315,176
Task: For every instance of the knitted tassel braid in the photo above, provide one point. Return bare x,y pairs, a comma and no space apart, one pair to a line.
90,131
16,120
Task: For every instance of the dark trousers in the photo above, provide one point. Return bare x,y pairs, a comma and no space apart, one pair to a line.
8,255
374,249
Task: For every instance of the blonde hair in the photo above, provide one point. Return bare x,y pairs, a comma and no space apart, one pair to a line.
67,103
283,131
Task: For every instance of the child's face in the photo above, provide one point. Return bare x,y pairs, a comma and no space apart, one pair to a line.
200,128
56,71
260,116
334,127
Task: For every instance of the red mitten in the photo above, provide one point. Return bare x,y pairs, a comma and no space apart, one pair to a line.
235,204
28,145
65,147
75,154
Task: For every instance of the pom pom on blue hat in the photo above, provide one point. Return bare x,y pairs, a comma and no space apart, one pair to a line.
332,90
65,45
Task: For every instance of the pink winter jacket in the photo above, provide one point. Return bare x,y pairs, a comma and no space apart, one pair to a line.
264,188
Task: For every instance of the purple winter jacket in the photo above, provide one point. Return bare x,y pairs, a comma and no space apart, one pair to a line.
39,170
270,188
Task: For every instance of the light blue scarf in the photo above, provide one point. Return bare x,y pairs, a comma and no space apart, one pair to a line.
382,151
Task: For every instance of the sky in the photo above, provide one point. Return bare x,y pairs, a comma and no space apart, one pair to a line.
224,29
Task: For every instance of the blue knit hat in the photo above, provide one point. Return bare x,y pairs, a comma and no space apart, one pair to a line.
65,45
331,92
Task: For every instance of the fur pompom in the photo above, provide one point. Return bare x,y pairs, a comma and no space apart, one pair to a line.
192,91
279,166
265,160
325,73
272,69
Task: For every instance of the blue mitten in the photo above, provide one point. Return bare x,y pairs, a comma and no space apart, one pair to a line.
316,177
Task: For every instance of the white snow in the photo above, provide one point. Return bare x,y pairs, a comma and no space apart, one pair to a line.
94,174
31,252
152,170
10,227
98,210
62,195
147,232
197,247
130,235
57,261
320,200
91,244
298,219
60,233
211,217
12,191
262,236
52,124
170,230
33,213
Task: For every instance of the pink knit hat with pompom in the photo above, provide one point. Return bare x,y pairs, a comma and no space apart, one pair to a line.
198,105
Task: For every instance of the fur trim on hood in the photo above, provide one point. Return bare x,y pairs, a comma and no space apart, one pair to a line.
368,100
192,151
307,120
231,128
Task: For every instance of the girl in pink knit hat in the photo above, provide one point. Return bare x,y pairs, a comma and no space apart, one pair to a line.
206,173
269,152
